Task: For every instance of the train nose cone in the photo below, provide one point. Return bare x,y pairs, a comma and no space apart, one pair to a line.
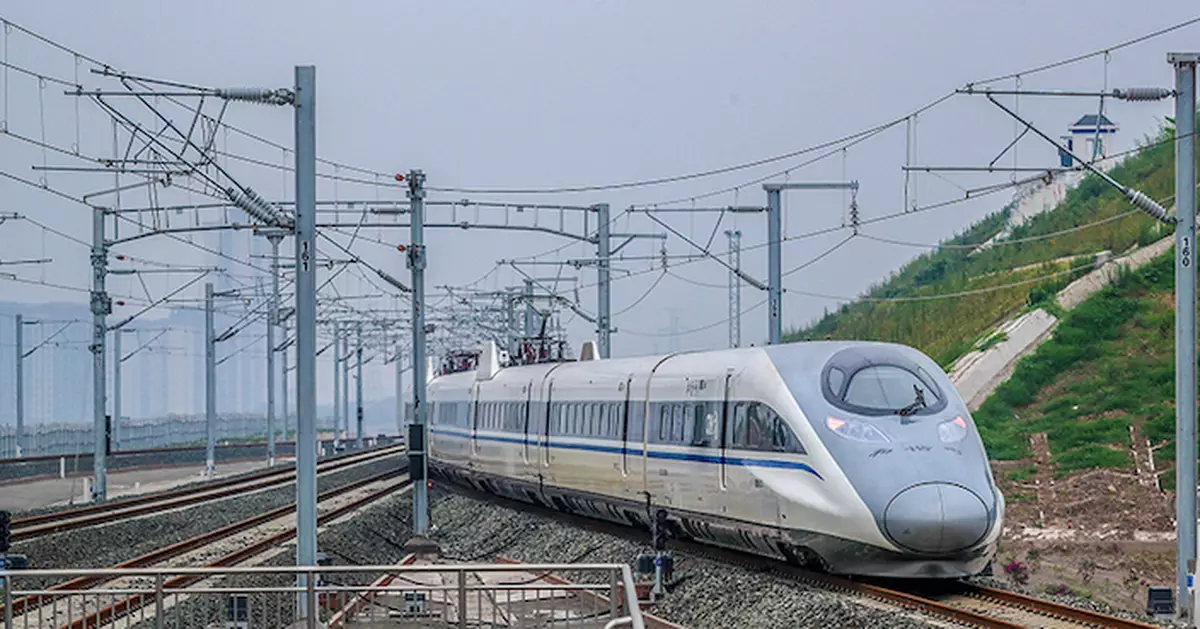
936,518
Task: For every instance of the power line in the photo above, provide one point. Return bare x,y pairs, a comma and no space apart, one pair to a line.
694,330
643,297
966,293
1097,53
819,257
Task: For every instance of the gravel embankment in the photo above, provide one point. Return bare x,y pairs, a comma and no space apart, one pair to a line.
706,594
108,545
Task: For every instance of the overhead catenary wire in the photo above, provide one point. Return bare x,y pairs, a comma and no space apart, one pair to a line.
637,183
695,330
1082,57
490,272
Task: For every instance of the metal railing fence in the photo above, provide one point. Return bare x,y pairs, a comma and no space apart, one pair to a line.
603,596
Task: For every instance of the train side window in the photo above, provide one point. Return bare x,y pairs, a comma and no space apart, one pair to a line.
664,422
677,423
738,438
780,434
636,431
757,431
593,420
704,426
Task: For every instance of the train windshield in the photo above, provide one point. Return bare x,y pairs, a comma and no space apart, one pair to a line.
875,383
887,387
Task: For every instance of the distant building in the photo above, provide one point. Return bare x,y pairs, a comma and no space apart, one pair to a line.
1090,138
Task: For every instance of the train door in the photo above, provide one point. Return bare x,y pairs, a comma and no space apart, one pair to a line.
625,408
526,415
545,440
723,473
474,427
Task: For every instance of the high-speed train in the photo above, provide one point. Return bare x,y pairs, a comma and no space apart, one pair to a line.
853,457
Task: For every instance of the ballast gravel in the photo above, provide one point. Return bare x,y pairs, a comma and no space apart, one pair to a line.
110,544
374,536
706,594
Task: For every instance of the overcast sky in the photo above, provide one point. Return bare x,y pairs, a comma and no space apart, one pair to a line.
539,94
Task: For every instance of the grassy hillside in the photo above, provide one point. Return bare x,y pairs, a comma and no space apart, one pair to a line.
1109,366
947,328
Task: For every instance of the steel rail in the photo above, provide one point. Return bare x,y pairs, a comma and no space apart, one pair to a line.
1050,608
28,603
59,521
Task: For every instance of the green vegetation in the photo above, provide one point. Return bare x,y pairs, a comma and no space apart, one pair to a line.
991,341
947,328
1021,475
1109,365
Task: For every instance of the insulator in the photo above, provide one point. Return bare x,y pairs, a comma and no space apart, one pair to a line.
1149,206
257,95
255,206
393,281
1143,93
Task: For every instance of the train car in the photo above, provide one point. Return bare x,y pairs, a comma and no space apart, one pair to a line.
857,458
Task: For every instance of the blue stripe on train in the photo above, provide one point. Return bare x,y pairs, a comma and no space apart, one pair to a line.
654,454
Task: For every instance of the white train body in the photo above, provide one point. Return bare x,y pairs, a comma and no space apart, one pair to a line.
750,449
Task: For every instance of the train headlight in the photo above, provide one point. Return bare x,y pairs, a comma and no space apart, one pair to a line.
858,431
953,430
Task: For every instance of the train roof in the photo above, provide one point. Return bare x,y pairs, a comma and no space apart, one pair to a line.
802,356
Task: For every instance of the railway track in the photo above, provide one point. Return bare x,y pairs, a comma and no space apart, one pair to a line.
959,603
30,527
91,613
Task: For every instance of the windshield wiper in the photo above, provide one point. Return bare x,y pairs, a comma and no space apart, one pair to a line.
916,405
